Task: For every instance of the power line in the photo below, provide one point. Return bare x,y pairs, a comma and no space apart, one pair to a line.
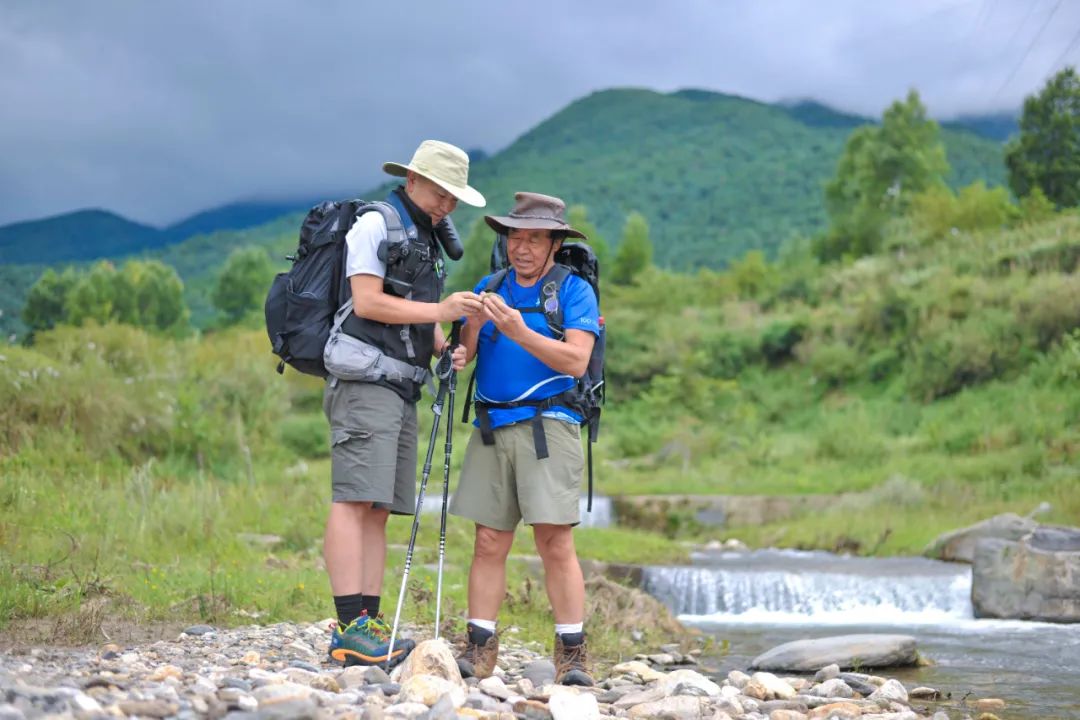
1031,45
1068,49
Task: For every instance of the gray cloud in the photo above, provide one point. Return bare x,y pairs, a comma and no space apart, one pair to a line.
158,109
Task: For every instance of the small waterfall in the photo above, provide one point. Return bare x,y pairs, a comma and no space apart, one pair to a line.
813,587
601,515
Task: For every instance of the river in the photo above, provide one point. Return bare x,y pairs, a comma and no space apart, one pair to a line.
756,600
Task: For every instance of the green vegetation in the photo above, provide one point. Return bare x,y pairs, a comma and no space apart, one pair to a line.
926,377
241,287
1046,155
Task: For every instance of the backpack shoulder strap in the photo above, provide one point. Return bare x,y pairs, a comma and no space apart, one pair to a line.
495,280
553,310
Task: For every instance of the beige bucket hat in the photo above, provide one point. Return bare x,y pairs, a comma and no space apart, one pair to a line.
445,165
533,211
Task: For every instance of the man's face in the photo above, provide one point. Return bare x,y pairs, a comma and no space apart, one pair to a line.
529,251
430,198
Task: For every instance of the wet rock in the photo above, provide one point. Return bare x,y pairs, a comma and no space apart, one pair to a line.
1032,579
845,651
924,693
827,673
858,683
892,690
539,672
959,545
835,688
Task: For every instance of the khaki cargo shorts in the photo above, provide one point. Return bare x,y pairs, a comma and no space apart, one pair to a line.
372,445
504,483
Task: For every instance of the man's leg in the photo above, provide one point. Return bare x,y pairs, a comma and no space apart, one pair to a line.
353,535
487,576
487,587
566,591
562,572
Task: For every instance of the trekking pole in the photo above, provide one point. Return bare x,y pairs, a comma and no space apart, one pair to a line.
455,331
436,408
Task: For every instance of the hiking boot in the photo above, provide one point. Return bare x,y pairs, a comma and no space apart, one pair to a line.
481,650
366,641
572,660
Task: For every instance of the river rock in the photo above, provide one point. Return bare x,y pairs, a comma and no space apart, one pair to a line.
834,688
1035,578
638,668
428,689
568,704
959,545
678,680
431,657
892,690
679,707
846,651
540,672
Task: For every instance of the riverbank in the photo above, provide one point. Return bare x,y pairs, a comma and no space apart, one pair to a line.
279,671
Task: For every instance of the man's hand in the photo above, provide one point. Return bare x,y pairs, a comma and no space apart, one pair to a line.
459,304
459,357
507,319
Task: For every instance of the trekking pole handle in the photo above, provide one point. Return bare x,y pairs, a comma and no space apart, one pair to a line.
455,334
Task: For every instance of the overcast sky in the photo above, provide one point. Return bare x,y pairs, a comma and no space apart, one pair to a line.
159,108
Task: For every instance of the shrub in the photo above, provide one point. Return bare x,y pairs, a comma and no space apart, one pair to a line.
834,364
1050,307
951,355
780,338
306,435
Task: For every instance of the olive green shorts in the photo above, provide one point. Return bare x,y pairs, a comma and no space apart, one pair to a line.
372,445
502,484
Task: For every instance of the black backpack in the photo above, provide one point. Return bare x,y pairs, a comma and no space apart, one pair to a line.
587,397
302,301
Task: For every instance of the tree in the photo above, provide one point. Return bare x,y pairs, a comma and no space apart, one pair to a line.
578,218
1046,154
881,170
157,295
635,251
475,263
242,285
46,300
92,295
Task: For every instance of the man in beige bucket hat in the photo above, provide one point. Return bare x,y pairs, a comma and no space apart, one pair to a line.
524,461
396,310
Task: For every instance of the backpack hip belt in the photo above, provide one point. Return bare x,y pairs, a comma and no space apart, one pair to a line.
350,358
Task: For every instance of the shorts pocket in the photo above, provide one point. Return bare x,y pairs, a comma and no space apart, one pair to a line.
351,446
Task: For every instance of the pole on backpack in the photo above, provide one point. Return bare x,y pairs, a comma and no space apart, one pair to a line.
436,408
451,381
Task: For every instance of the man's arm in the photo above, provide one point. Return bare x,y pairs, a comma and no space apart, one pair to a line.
569,356
371,303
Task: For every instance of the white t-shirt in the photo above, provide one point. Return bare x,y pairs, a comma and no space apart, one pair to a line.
362,246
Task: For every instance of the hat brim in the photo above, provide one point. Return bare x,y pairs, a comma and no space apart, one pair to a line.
466,194
503,224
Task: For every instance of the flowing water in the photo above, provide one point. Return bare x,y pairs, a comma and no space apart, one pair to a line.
761,599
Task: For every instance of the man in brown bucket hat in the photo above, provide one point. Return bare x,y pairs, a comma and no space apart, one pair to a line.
373,424
524,461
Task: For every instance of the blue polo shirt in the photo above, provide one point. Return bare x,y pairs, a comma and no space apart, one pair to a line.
506,372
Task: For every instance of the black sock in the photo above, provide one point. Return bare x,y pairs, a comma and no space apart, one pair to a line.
479,635
348,607
371,604
572,639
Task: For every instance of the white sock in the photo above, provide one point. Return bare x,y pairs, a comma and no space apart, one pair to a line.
568,628
488,625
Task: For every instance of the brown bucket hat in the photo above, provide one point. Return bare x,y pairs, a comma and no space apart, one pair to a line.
533,211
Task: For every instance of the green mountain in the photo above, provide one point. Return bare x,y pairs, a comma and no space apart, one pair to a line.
715,175
92,234
77,235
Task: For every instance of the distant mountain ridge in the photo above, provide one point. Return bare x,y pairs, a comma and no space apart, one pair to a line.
726,126
95,233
